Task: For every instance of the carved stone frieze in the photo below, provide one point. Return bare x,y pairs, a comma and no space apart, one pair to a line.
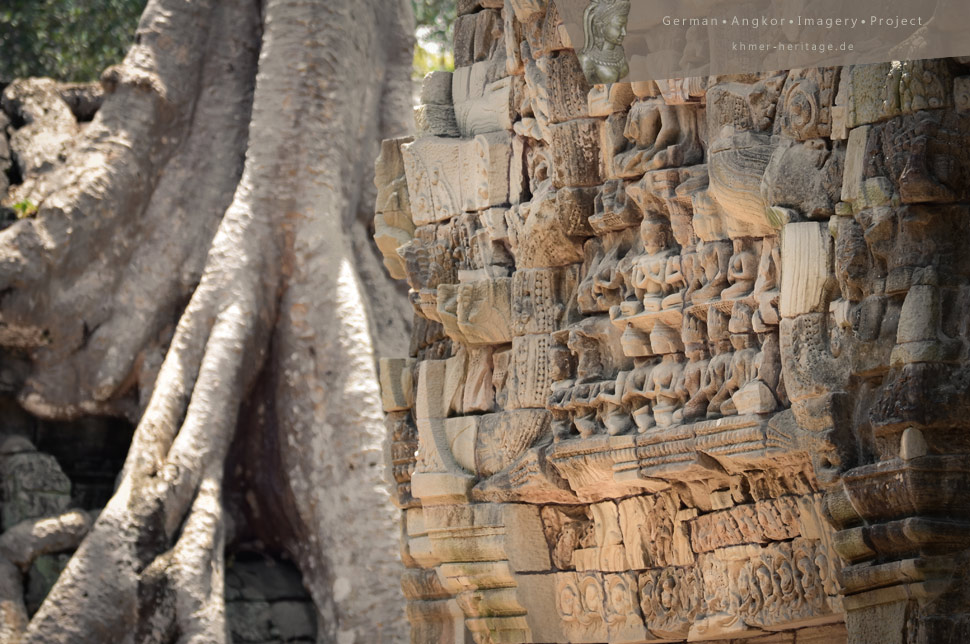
688,360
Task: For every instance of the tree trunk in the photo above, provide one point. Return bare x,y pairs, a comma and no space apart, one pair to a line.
197,263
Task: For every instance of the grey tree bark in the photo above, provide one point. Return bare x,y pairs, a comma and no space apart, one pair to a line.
198,263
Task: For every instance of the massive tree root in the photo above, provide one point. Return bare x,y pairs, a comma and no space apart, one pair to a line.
207,215
19,547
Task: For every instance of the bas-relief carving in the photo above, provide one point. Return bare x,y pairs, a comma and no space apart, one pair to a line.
595,607
660,136
675,314
740,592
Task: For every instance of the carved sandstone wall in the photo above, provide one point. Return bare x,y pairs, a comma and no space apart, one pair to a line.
689,357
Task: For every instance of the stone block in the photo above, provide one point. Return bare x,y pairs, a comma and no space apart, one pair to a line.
919,338
464,40
612,142
436,120
525,545
466,7
754,398
530,381
883,623
462,433
414,523
484,170
597,607
399,459
436,88
477,312
469,82
505,436
514,63
431,398
575,206
389,178
867,94
545,32
440,621
539,299
519,189
433,179
495,537
392,230
855,165
441,488
488,109
806,274
397,383
479,391
575,153
601,559
538,595
447,176
33,487
647,525
607,99
558,87
606,524
539,233
488,34
822,634
493,220
525,10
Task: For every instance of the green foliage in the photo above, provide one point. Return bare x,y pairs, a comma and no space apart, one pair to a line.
25,208
428,61
435,23
436,17
74,40
71,40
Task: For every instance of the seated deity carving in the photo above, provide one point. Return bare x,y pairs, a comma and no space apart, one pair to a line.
574,406
676,283
562,423
742,272
583,407
635,395
614,279
769,360
665,387
606,272
767,286
719,367
852,260
692,271
744,361
662,136
650,272
589,356
615,416
711,268
695,380
635,342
